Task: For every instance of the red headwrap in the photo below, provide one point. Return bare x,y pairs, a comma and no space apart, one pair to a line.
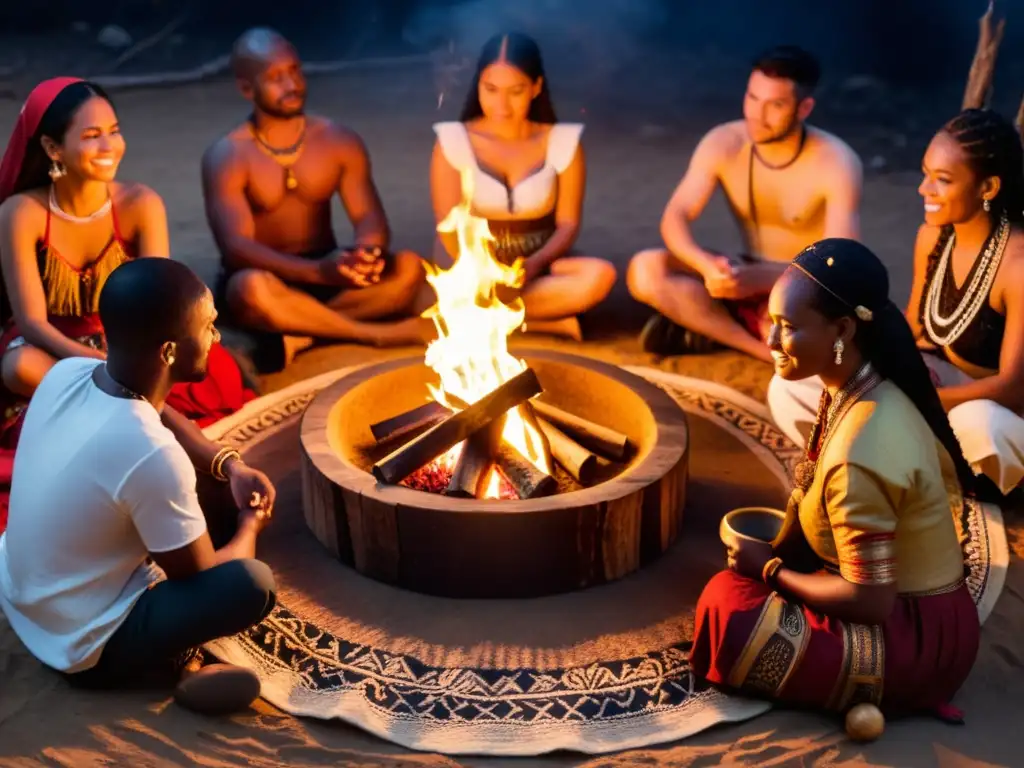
25,128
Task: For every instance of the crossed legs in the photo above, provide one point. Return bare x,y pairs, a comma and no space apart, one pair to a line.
659,280
262,301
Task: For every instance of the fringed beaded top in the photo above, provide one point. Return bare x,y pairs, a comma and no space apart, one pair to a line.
74,292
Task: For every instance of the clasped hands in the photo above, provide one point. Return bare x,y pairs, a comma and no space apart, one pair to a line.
357,267
727,278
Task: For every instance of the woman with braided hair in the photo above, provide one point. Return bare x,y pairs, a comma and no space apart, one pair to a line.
861,598
966,302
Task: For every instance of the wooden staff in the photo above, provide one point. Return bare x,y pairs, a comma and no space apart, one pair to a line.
979,79
605,441
402,462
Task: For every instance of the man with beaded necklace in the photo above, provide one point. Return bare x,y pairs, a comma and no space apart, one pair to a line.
108,568
787,185
268,186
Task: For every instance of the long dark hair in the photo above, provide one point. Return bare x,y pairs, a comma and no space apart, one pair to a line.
523,53
54,125
849,277
993,148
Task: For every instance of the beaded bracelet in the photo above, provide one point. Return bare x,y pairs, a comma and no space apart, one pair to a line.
220,459
771,568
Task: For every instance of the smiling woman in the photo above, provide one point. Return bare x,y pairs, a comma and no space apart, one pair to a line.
966,304
65,226
861,598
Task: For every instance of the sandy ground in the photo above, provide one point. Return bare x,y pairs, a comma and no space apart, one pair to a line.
634,165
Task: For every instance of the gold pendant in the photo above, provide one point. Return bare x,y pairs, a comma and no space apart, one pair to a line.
290,182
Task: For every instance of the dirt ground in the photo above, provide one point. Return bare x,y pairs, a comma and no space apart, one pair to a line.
634,163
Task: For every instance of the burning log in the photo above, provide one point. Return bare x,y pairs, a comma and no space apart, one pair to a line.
425,415
455,428
471,470
606,441
577,460
979,79
528,481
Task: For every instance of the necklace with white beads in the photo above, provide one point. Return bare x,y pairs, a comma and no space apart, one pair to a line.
100,212
945,330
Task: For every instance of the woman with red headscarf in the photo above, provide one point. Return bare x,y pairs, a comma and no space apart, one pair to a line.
65,225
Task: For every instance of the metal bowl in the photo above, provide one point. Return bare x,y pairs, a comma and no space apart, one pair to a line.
751,524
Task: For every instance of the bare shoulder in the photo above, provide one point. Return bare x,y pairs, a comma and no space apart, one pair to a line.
927,237
24,210
345,141
225,152
724,141
136,196
835,154
1012,266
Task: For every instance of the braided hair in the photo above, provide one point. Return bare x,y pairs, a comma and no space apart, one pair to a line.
993,148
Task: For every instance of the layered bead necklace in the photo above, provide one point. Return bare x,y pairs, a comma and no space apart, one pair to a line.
944,330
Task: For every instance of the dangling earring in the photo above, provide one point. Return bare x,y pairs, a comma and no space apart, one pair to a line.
838,348
986,205
57,170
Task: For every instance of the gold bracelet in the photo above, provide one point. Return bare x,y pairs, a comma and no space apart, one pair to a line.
220,459
771,568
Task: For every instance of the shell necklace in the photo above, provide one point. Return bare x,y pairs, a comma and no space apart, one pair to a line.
944,330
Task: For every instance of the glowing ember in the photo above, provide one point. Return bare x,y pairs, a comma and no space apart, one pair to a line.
435,476
470,355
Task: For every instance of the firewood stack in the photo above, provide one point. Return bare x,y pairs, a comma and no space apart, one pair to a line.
576,444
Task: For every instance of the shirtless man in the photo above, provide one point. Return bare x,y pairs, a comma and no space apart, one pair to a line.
805,185
267,187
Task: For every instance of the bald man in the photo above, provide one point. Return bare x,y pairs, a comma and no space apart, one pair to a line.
267,188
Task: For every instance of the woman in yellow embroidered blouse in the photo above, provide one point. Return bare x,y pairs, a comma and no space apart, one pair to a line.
862,597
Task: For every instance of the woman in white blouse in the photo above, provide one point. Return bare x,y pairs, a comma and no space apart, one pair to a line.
529,175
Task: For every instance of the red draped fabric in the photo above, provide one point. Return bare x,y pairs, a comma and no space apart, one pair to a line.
750,638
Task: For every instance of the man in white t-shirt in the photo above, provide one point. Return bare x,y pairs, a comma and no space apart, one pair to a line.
107,571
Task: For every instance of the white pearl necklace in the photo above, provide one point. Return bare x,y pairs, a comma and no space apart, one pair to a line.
100,212
943,331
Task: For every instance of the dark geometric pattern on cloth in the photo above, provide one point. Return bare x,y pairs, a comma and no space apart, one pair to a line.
764,432
977,550
401,686
654,695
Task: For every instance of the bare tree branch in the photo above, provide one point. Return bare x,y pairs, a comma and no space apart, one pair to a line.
979,80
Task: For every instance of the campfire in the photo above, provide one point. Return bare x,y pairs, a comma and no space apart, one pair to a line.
482,433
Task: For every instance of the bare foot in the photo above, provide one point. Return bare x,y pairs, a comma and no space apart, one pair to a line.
568,327
293,345
217,689
414,330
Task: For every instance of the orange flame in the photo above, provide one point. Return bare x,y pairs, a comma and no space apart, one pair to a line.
470,354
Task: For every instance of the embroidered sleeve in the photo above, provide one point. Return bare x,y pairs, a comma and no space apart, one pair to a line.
863,519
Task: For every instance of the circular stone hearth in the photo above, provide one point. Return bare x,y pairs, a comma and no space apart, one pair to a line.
456,547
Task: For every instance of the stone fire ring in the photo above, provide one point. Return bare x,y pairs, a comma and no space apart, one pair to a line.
471,548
